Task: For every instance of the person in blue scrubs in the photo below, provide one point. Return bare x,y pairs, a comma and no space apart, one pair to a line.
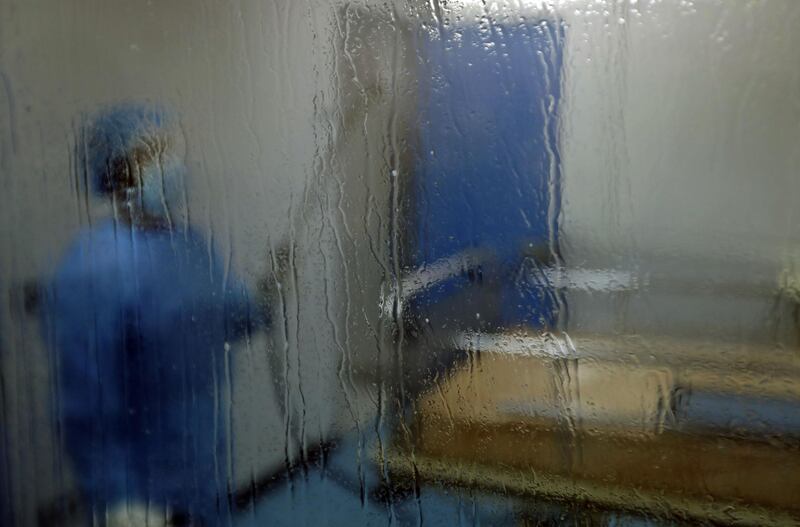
141,315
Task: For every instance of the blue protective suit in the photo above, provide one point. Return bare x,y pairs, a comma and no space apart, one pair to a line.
139,321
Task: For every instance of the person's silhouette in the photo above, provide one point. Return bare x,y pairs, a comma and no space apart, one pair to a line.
140,315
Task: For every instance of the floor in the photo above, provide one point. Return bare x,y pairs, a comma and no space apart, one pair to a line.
335,491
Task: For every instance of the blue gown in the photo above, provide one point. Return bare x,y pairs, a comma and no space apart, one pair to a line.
140,322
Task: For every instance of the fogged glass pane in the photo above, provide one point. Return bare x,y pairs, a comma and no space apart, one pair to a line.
399,263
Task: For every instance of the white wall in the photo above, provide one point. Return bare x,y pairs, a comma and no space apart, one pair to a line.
682,128
680,144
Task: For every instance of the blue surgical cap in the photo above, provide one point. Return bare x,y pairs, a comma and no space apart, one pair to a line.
109,135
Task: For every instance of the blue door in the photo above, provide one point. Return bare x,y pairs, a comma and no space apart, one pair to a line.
487,187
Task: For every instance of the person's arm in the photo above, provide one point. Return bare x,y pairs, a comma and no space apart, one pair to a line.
84,332
245,313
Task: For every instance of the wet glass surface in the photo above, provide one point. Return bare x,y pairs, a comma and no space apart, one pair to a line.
399,263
